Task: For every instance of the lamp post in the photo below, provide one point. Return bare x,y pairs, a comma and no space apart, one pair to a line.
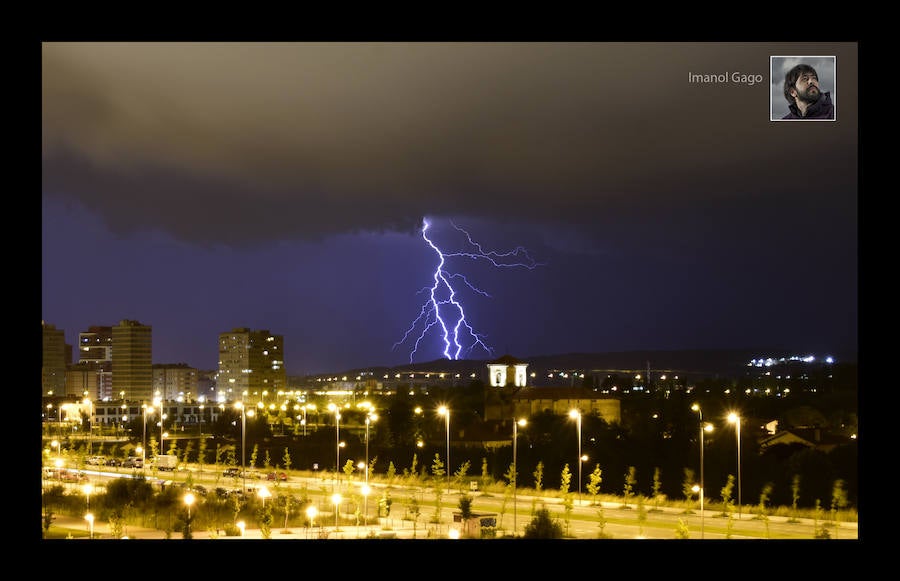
162,438
90,518
370,417
264,493
162,432
703,428
188,501
311,512
337,444
736,420
202,401
49,423
336,501
445,411
577,416
146,410
240,405
515,473
87,401
88,488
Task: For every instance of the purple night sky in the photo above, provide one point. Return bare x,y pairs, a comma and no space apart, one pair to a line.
198,187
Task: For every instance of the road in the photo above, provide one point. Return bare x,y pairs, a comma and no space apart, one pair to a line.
583,522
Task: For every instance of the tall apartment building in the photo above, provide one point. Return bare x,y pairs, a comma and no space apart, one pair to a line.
89,379
251,361
175,381
95,345
53,360
132,361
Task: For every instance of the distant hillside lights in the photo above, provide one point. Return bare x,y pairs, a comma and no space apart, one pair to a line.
769,362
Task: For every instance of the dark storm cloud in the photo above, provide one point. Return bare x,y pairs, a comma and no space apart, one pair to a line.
244,143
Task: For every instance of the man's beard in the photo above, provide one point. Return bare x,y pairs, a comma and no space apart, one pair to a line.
810,95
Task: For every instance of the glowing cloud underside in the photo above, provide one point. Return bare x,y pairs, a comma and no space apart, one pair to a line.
443,306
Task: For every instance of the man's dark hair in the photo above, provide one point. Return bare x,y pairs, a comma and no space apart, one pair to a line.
791,77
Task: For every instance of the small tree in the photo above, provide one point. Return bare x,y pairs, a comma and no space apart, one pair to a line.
543,526
460,475
641,513
538,484
253,455
485,475
727,504
391,472
437,471
657,488
465,511
508,490
687,488
593,486
630,482
286,458
682,531
819,532
349,468
761,510
565,480
838,501
601,522
795,497
414,511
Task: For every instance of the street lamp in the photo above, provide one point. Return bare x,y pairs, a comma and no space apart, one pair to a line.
244,413
202,401
264,493
90,518
311,512
577,416
337,443
736,420
445,411
515,473
162,433
162,438
87,401
188,501
88,488
370,417
336,501
703,428
146,410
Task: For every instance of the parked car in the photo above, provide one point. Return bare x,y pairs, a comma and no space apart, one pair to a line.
73,475
280,476
232,472
113,462
133,462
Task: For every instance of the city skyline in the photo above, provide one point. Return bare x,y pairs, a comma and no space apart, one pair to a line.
201,187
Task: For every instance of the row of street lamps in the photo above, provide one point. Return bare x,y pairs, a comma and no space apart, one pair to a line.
444,411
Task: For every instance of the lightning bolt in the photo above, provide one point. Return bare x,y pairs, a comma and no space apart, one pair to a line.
443,307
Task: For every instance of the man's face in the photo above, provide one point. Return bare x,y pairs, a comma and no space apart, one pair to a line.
806,88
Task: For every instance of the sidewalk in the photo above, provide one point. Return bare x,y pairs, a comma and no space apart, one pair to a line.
349,532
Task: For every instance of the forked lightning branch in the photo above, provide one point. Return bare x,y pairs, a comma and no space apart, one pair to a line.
444,308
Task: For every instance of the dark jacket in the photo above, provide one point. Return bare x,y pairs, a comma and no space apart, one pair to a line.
821,109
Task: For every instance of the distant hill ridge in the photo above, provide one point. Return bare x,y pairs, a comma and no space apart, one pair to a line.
710,361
